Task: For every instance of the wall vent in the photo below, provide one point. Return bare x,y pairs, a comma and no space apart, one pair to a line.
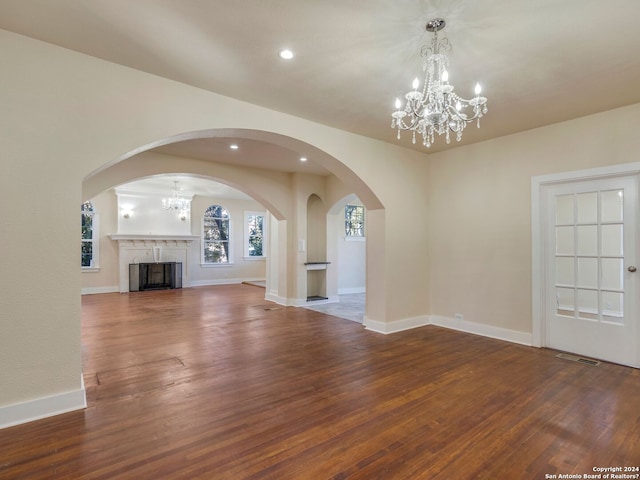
574,358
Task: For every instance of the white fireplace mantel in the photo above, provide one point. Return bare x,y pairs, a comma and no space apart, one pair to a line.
151,238
139,248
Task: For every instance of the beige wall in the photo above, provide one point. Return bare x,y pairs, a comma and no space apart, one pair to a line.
66,116
480,211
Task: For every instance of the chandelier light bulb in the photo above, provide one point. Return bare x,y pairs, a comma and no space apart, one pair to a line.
436,109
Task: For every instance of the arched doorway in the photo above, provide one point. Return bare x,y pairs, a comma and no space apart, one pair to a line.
277,171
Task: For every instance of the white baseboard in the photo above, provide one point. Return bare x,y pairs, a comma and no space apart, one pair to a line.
347,291
273,297
207,283
490,331
95,290
499,333
43,407
223,281
397,326
295,302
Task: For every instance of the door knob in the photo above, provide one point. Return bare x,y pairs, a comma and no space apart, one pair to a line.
632,269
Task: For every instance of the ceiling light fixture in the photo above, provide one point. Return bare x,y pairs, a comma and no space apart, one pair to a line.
286,54
176,203
436,109
233,147
303,159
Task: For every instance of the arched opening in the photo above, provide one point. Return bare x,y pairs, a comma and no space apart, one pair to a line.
282,185
295,203
347,248
316,263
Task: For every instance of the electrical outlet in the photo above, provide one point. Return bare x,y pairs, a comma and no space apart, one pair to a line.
459,317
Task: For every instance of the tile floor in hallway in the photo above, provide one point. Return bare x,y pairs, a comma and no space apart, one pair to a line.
350,307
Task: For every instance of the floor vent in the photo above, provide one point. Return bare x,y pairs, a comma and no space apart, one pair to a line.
574,358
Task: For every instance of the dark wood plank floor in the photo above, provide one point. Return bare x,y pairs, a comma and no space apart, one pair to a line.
216,383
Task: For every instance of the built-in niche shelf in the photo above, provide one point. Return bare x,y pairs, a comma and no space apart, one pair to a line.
316,281
317,265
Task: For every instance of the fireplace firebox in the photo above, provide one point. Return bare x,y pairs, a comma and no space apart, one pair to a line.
155,276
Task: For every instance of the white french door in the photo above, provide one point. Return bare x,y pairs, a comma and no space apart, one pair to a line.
591,280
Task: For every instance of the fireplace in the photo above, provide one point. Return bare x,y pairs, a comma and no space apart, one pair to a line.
155,276
136,249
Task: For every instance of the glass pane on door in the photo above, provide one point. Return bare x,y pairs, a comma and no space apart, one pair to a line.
587,207
565,240
611,207
587,240
565,271
588,304
612,240
564,210
612,274
565,301
612,307
588,272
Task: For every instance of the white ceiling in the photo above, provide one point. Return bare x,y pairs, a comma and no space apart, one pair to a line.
539,61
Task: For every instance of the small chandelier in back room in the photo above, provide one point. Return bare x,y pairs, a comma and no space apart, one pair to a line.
176,203
436,108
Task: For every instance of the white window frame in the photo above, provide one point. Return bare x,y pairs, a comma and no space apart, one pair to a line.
248,214
364,216
203,262
94,264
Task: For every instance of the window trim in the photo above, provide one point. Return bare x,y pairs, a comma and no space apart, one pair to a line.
247,214
203,261
94,265
347,236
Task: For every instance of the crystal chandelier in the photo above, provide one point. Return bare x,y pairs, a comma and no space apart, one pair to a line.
436,108
176,203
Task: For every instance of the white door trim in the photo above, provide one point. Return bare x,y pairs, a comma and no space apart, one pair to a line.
538,233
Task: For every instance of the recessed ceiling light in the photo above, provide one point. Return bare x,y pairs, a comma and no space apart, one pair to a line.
233,147
303,159
286,54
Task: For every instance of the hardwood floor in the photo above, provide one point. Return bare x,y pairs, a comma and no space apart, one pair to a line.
217,383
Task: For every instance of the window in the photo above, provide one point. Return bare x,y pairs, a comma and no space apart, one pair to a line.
354,220
215,235
254,234
89,247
